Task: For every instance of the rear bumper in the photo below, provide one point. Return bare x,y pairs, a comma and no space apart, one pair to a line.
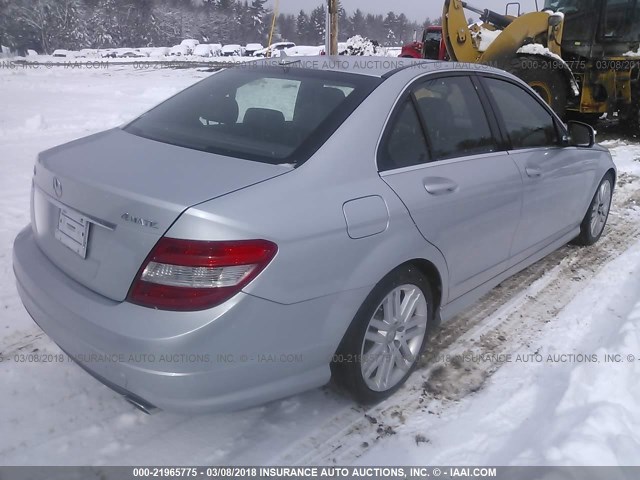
245,352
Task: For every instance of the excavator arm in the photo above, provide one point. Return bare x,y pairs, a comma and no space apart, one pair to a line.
456,33
463,45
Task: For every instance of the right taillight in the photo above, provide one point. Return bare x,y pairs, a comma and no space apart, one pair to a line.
189,275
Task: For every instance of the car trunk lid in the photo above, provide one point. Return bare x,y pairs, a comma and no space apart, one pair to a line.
129,190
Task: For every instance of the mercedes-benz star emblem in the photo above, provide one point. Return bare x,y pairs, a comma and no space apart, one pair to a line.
57,187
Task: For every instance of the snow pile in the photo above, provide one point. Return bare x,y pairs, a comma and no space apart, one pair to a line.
555,14
633,54
538,49
190,43
598,419
393,51
541,50
362,46
564,404
160,52
483,37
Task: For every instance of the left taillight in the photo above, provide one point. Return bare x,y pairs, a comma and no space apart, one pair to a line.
190,275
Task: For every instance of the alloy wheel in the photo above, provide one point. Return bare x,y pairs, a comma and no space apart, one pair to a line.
394,337
601,207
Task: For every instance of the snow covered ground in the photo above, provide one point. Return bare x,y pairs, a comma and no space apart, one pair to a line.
483,407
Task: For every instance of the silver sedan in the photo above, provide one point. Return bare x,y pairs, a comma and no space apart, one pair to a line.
296,219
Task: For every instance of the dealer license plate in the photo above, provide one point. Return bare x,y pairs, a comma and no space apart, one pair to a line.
73,231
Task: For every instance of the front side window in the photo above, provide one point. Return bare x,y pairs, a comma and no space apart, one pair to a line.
579,18
268,114
455,120
527,122
569,6
619,16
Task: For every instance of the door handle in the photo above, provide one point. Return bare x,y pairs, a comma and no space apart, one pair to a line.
440,186
533,172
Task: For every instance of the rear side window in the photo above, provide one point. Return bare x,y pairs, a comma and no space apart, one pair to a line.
455,120
405,145
528,123
267,114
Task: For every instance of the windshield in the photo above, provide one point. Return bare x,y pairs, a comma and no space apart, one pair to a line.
269,114
569,6
432,36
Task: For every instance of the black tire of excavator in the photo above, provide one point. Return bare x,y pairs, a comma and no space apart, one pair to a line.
589,118
631,117
547,78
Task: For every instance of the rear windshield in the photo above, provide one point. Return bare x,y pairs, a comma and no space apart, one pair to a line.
274,115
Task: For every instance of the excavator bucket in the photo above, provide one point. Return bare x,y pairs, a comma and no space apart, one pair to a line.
523,30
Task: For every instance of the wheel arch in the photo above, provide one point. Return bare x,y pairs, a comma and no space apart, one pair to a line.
429,270
436,287
614,174
573,89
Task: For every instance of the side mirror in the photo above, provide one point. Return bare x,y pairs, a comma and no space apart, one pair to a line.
581,135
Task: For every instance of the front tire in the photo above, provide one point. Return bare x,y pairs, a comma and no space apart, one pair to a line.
596,218
384,342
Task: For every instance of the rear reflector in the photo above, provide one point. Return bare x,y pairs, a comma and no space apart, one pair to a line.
189,275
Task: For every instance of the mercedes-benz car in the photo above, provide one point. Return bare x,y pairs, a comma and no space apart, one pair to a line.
286,221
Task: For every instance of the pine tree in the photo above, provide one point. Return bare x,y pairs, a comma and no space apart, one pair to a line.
344,26
317,26
287,27
390,25
303,27
105,25
257,15
47,24
403,28
358,23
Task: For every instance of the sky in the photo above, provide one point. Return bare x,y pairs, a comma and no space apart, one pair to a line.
417,10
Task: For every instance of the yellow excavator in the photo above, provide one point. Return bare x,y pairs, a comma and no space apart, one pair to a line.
581,56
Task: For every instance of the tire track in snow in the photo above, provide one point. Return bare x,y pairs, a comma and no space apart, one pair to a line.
504,321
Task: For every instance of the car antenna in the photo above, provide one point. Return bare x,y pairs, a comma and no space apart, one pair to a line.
285,59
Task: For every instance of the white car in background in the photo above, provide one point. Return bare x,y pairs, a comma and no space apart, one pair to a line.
179,51
216,49
275,49
191,44
252,48
304,51
232,50
87,52
62,53
203,50
129,53
160,52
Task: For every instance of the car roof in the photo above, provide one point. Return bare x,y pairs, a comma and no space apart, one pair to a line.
381,67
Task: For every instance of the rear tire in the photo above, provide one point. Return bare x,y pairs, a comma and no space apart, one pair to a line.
548,82
383,343
596,218
631,115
